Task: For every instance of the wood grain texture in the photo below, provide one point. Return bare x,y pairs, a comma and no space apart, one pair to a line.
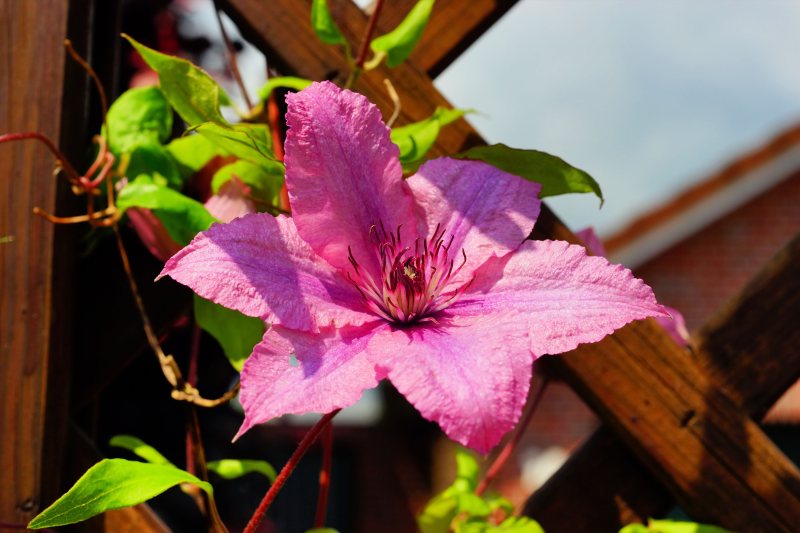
748,350
689,435
453,27
31,81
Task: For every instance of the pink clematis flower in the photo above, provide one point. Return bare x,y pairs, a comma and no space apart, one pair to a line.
674,324
428,281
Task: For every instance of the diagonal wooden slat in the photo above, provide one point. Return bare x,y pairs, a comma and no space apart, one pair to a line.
453,27
651,422
748,350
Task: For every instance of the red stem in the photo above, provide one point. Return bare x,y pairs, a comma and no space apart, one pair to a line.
324,476
286,471
511,445
362,53
72,174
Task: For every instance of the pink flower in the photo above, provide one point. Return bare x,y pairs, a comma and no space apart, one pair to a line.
428,282
674,323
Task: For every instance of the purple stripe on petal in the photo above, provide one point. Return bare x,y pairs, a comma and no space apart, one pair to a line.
259,265
343,173
470,375
563,296
488,212
297,372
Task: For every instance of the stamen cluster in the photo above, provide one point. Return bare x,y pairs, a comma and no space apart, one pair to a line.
412,279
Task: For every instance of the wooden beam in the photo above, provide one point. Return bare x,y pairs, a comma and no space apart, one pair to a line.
748,350
640,359
454,25
31,81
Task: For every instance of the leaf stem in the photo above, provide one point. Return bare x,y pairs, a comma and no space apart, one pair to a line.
72,174
286,471
511,445
324,476
234,64
358,65
373,20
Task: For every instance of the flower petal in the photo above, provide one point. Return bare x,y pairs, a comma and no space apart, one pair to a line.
343,173
259,265
231,201
675,325
331,370
564,297
487,211
470,375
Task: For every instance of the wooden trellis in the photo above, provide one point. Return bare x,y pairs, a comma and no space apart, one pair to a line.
678,426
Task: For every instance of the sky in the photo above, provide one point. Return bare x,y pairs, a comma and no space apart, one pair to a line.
648,97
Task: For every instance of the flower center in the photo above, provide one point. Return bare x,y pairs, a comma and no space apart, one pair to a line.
412,279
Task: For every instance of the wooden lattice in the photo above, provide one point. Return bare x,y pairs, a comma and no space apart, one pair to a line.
678,426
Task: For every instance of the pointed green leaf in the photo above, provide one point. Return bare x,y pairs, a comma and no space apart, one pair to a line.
113,484
324,25
556,175
182,217
414,140
286,82
194,95
140,448
154,159
191,153
234,468
400,42
250,142
139,116
235,332
265,187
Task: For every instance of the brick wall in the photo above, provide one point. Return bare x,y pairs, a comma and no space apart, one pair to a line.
702,272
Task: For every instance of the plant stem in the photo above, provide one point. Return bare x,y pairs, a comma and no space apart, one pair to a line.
287,469
373,19
324,476
358,65
234,64
511,445
72,174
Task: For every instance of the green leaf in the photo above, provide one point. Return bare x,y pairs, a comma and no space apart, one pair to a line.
140,448
635,528
414,140
191,153
556,175
182,217
234,468
152,159
437,515
194,95
235,332
322,530
517,524
286,82
324,25
139,116
670,526
400,42
467,468
113,484
250,142
265,186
